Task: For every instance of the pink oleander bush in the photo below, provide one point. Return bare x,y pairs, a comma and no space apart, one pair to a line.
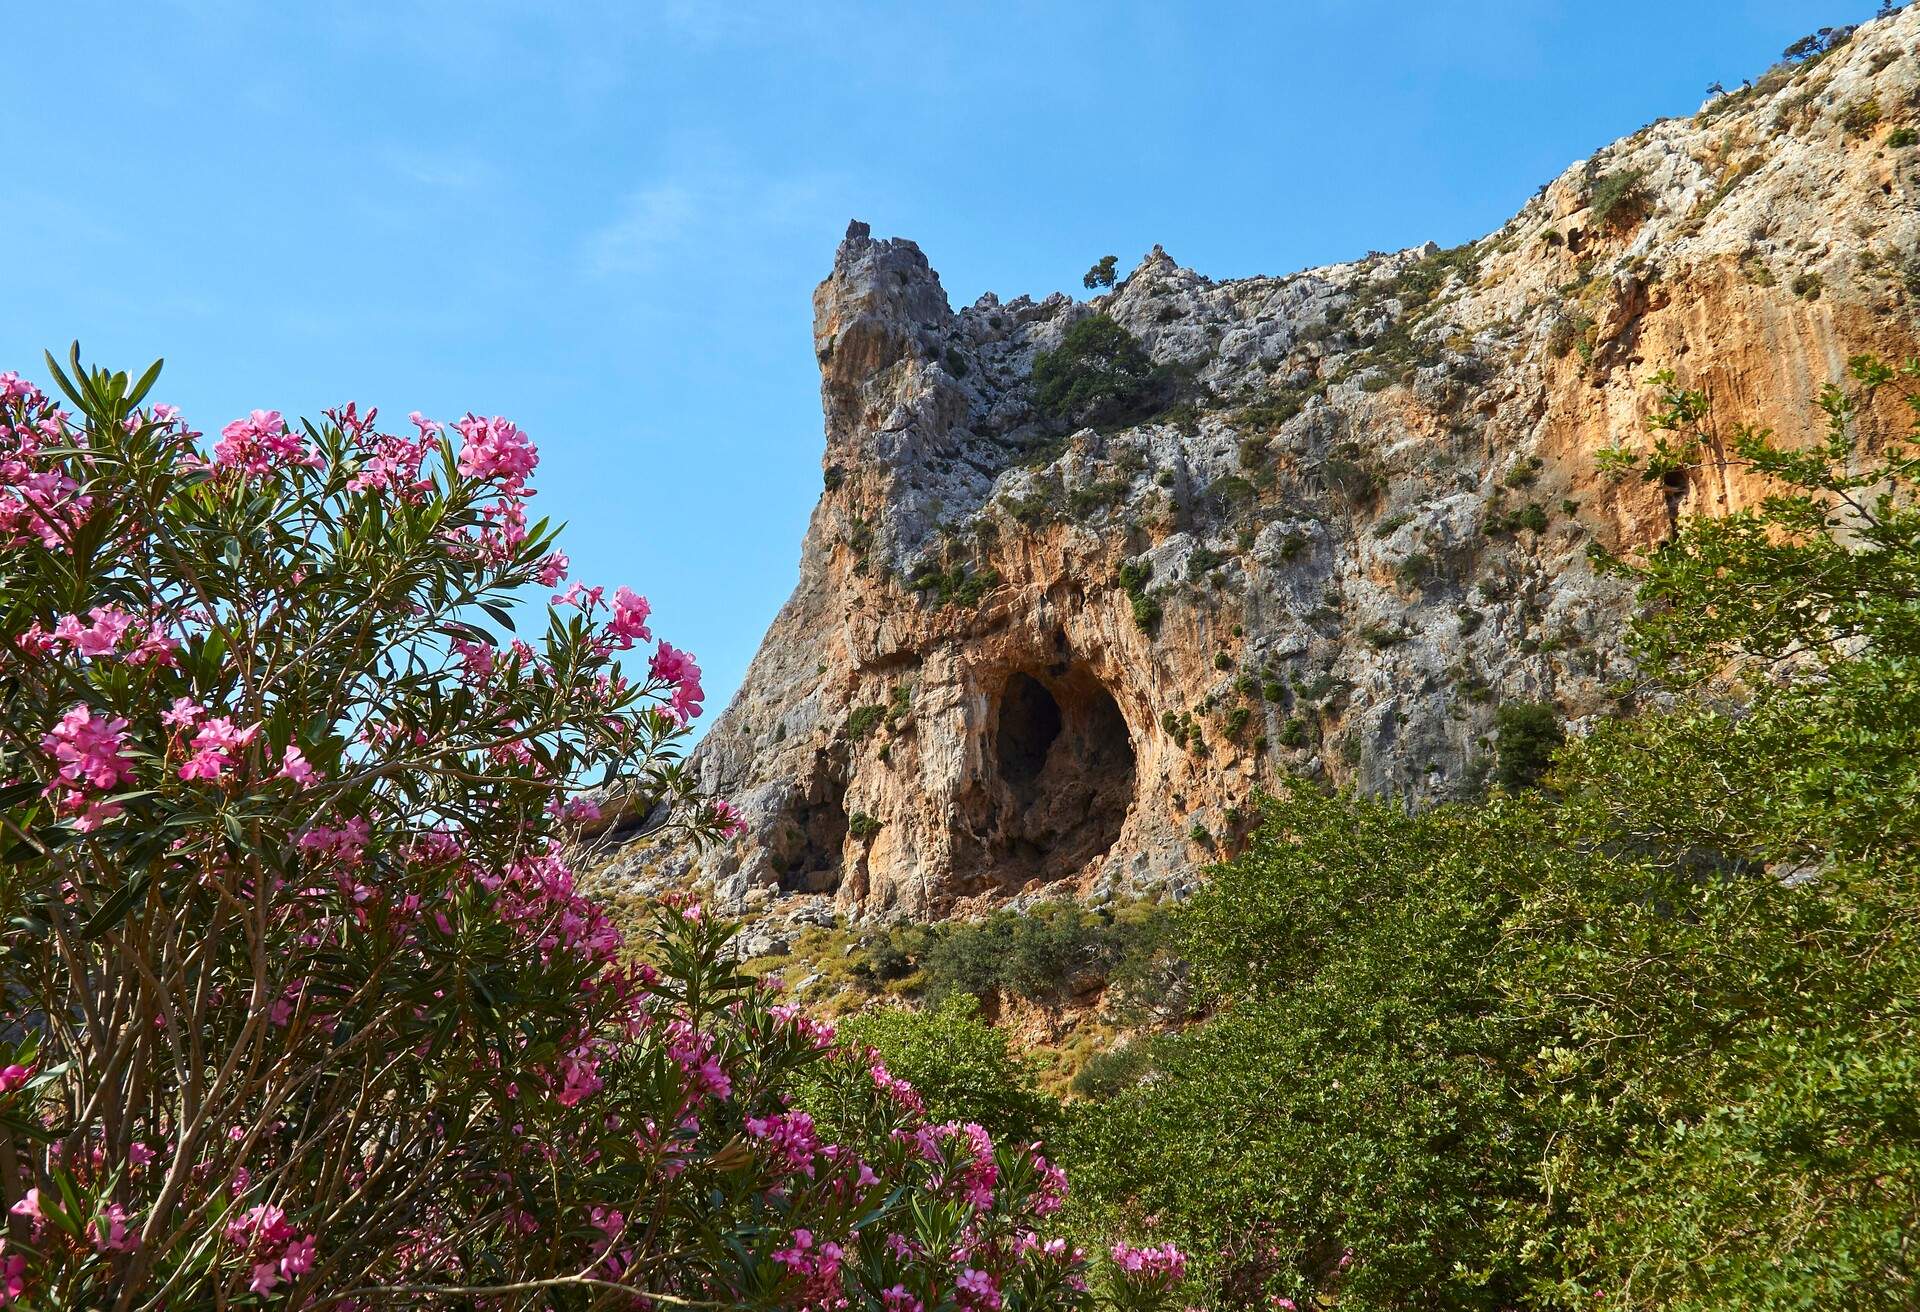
302,1005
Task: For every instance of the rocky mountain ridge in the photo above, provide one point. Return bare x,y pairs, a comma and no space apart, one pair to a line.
1338,520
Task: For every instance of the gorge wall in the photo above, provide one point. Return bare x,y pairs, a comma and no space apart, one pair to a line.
1026,655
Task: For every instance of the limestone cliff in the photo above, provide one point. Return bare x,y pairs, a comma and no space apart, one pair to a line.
1021,653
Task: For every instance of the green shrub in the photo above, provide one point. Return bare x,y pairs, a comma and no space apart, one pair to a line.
1146,613
1525,737
1099,374
1860,117
862,720
863,826
1268,415
1101,495
1108,1073
1412,571
1900,138
1620,197
958,585
1203,562
1351,479
1047,954
960,1065
1039,506
1134,577
1232,493
1343,1098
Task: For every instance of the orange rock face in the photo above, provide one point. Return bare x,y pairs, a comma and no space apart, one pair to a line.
1030,656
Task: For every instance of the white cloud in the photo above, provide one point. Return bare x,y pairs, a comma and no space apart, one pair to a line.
651,222
708,213
439,170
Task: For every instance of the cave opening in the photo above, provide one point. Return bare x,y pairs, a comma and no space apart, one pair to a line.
1027,728
805,850
1058,779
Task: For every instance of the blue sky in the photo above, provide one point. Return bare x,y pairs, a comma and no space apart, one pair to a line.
605,220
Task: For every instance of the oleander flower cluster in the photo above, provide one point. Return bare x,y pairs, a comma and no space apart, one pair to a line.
303,1003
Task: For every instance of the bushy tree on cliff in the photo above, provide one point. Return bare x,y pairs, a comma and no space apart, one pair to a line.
301,1004
1099,374
1102,273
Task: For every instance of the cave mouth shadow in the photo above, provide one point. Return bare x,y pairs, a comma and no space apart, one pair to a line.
1058,783
806,849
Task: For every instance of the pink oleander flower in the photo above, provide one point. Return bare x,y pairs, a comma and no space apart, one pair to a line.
789,1139
901,1092
261,443
580,1079
13,1076
346,844
88,749
88,752
580,811
265,1276
99,637
295,766
816,1032
494,448
979,1287
553,570
298,1259
671,666
109,1233
629,621
579,596
1051,1194
216,747
727,817
156,647
261,1226
13,1275
184,715
476,658
1161,1267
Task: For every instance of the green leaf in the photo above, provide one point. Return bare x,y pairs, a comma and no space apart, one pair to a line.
115,908
145,385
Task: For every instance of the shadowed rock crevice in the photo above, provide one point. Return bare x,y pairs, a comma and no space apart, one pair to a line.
806,853
1059,780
